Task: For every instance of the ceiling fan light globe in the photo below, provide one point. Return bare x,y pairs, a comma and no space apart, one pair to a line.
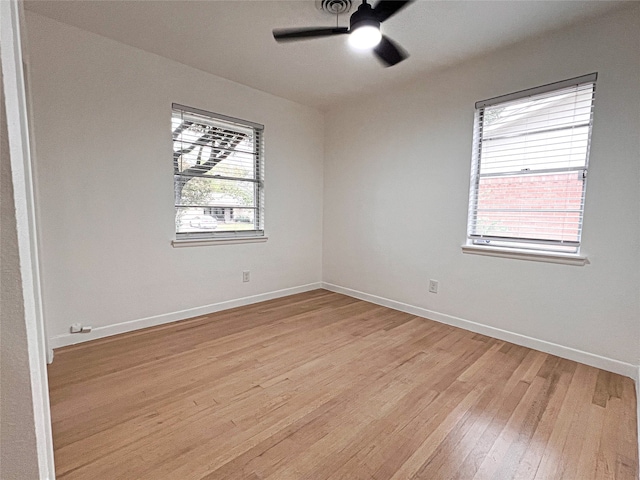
365,37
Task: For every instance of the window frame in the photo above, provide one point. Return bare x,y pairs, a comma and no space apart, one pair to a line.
257,234
538,249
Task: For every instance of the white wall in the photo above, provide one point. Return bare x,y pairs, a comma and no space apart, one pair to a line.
101,117
396,190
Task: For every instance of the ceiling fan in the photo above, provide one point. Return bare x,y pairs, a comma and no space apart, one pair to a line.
364,31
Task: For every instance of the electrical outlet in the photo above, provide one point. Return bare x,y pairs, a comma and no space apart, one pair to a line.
433,286
79,328
245,276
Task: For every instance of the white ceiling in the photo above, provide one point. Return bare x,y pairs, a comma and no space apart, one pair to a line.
232,38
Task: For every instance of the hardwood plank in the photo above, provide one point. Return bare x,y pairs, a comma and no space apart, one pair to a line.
562,433
323,386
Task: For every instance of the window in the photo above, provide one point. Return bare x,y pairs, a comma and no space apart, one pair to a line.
218,166
529,167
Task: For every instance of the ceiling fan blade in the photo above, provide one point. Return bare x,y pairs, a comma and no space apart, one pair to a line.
389,52
386,8
288,34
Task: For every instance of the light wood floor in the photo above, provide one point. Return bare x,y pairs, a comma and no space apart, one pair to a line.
319,386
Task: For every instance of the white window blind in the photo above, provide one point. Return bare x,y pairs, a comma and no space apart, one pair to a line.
529,168
218,167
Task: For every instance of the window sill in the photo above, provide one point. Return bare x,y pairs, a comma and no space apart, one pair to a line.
561,258
203,242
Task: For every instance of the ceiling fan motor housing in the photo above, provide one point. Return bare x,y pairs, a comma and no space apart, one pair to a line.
364,16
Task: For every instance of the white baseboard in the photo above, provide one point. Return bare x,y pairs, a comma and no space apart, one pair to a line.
598,361
123,327
605,363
